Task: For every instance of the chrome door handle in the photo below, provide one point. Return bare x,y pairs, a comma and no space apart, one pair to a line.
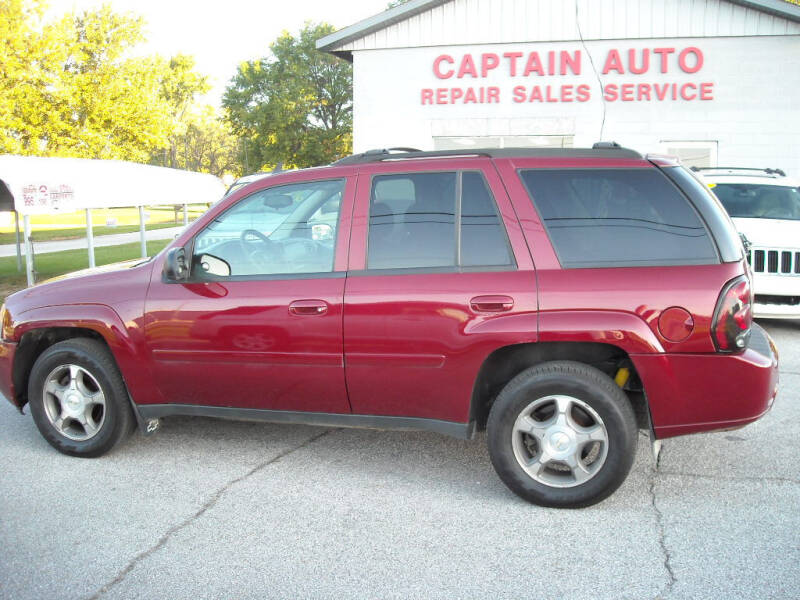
308,307
491,303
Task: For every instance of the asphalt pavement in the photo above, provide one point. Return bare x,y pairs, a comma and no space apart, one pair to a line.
216,509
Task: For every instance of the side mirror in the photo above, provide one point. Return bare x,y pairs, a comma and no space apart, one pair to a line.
747,244
175,267
321,232
213,265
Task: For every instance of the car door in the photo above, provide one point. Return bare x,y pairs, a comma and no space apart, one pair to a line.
439,277
258,325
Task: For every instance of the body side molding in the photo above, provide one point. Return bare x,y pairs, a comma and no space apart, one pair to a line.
451,428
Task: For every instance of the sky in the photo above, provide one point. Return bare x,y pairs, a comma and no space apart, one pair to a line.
221,35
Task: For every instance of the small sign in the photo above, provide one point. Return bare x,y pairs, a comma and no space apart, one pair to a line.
43,197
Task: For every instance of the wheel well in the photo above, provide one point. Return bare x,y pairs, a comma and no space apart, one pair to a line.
31,346
502,365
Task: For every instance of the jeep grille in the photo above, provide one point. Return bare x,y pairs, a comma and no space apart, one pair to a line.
777,261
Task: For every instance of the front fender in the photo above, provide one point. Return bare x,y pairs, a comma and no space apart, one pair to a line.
124,340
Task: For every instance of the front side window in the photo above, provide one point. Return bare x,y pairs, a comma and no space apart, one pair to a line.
288,229
424,220
754,201
617,217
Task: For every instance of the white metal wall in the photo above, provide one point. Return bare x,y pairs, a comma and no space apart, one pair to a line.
753,119
508,21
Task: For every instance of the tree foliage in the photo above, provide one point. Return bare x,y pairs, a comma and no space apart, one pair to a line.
74,88
294,106
112,105
204,143
29,70
180,85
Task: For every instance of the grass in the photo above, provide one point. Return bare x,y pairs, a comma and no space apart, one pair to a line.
67,226
58,263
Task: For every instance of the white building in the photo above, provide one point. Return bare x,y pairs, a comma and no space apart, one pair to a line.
716,82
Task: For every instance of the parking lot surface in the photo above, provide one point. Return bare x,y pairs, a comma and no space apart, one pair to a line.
215,509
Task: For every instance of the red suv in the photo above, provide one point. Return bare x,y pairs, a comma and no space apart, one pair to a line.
559,299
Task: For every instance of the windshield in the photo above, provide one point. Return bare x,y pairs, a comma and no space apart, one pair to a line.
754,201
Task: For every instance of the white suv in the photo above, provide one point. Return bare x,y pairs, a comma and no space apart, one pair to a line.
765,206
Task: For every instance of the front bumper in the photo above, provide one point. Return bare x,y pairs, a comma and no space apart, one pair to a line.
775,295
764,310
7,351
690,393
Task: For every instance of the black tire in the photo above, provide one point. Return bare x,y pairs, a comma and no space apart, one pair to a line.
587,387
97,366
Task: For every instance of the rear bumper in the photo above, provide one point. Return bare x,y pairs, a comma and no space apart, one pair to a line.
7,350
690,393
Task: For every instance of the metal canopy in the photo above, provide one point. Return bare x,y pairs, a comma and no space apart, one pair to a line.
44,185
6,199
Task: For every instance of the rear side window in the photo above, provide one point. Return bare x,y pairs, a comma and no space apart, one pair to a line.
618,218
424,220
412,221
483,236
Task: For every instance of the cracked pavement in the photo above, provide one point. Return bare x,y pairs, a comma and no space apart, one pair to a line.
208,509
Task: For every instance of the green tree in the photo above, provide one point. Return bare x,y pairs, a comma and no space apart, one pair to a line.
180,86
295,106
112,104
73,87
205,144
30,61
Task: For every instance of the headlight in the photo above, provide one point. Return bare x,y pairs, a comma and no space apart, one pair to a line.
7,331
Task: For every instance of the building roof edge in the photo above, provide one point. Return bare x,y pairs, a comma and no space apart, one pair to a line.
778,8
331,43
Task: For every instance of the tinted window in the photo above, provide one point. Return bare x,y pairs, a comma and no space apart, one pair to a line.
412,221
285,229
712,212
483,237
619,217
759,201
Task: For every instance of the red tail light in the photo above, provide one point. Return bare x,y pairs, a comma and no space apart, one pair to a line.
733,316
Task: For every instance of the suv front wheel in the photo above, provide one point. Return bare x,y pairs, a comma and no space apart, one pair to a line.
78,398
562,434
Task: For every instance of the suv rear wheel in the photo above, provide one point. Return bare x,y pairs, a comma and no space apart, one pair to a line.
78,398
562,434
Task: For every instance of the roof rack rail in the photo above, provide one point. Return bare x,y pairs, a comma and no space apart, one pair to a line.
768,170
599,145
369,156
375,154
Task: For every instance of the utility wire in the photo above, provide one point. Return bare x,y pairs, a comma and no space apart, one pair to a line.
591,61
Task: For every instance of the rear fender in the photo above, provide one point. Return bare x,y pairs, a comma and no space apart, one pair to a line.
624,330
